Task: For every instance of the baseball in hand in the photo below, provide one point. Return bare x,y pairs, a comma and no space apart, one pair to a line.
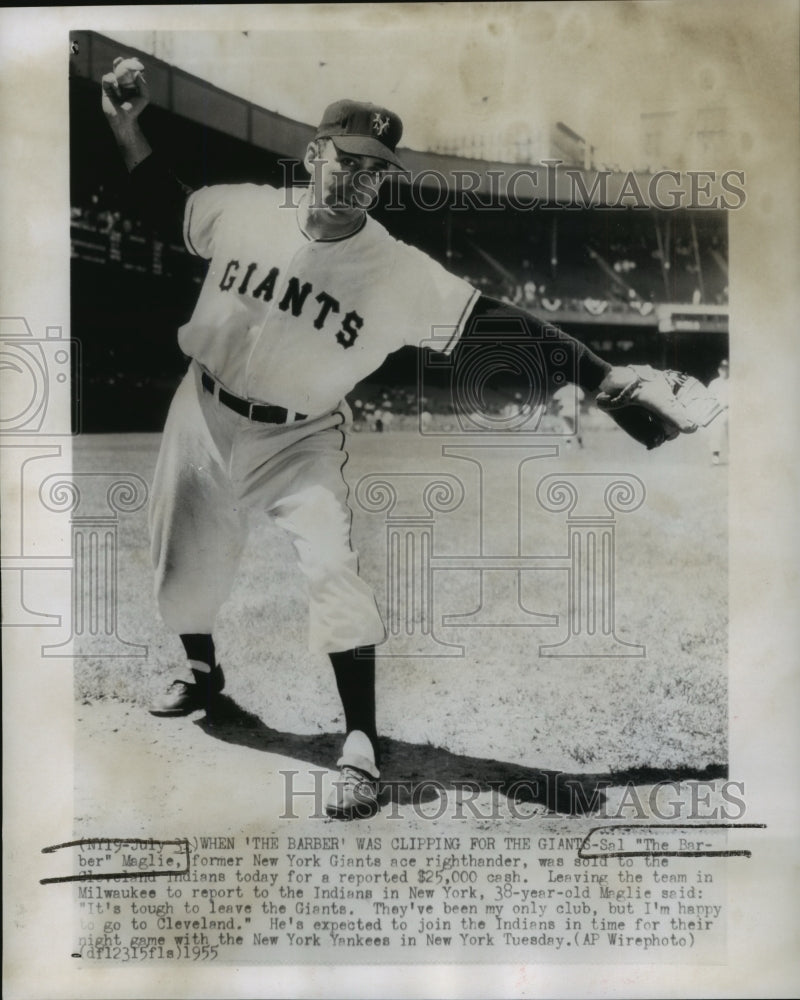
127,72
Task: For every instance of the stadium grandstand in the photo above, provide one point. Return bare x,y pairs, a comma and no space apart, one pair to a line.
642,284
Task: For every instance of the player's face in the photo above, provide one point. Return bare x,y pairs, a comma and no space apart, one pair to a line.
343,181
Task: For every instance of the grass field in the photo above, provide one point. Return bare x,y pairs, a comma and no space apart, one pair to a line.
663,715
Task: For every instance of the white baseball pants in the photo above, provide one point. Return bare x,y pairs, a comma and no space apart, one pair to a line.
214,469
718,434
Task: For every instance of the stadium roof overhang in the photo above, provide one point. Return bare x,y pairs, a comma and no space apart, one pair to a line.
468,181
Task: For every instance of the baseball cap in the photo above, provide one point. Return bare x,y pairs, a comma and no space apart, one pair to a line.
362,129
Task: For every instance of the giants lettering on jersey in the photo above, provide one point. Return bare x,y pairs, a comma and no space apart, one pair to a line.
294,298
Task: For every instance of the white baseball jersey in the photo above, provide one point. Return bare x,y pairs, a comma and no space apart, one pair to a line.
568,397
296,322
720,387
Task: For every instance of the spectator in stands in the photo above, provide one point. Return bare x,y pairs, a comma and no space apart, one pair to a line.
388,415
529,293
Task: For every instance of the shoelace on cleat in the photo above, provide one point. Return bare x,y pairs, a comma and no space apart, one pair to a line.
362,788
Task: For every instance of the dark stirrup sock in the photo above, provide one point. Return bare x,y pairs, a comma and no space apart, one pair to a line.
200,647
355,679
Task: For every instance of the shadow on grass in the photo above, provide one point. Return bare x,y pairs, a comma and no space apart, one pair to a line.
412,773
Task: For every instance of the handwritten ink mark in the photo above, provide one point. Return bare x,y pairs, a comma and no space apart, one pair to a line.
155,845
670,854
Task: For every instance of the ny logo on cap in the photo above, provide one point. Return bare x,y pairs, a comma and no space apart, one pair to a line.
380,123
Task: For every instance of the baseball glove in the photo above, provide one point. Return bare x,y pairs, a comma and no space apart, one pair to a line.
656,406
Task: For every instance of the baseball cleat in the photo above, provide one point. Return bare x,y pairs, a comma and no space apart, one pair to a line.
355,791
354,795
183,697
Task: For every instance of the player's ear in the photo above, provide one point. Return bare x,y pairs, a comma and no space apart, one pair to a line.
313,153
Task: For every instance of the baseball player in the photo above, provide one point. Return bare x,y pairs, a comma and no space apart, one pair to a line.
305,295
566,402
720,388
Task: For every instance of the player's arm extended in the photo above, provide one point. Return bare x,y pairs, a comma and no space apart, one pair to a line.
125,96
496,326
651,406
158,197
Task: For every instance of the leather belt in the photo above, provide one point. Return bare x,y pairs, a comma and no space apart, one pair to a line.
263,413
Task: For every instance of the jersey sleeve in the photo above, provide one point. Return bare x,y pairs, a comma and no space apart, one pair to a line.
440,302
204,209
158,197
